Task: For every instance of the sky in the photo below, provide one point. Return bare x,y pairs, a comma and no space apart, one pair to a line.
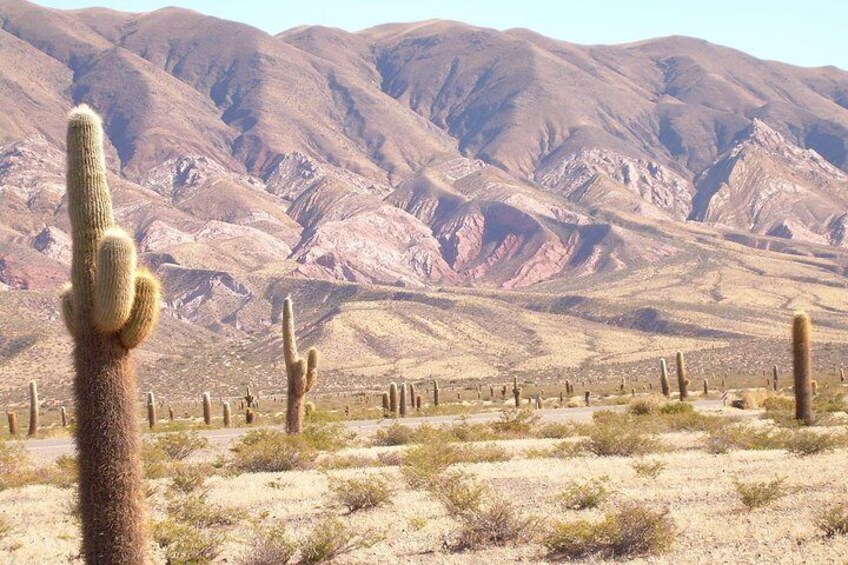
810,33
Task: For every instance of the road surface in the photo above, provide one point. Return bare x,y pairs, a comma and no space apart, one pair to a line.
52,448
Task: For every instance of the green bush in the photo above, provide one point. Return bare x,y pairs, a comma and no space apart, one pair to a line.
612,439
271,546
186,544
180,445
364,493
272,451
331,538
833,521
757,494
632,531
587,494
515,423
648,469
809,442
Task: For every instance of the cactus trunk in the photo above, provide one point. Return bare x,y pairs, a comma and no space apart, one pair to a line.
516,392
301,374
151,410
402,400
802,368
207,409
393,400
33,408
13,423
64,415
109,308
227,415
682,378
435,393
664,384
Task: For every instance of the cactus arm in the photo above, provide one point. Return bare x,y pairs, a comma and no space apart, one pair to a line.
66,295
114,289
311,368
289,340
145,311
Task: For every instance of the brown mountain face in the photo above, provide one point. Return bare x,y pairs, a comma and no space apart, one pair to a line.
427,155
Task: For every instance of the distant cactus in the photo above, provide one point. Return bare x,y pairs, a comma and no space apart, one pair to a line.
109,308
586,396
503,392
170,413
151,410
309,408
402,400
301,374
418,403
13,423
385,396
814,386
664,384
412,394
842,374
622,384
64,416
33,408
682,377
228,416
706,387
435,393
802,368
249,399
516,392
249,416
207,408
774,374
393,400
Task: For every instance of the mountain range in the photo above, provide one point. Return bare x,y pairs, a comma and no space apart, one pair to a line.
438,197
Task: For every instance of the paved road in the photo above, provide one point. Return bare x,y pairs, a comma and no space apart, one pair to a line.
53,448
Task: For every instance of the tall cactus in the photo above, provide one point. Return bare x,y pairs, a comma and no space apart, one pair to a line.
516,392
33,408
109,308
664,384
403,400
682,377
802,368
228,415
393,400
435,393
300,373
151,410
207,409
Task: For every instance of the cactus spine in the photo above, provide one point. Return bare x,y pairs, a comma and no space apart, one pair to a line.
435,393
109,308
33,408
393,400
516,392
802,367
151,410
664,384
682,378
207,409
228,415
300,373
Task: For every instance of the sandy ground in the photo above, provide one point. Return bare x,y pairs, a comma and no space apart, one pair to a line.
712,526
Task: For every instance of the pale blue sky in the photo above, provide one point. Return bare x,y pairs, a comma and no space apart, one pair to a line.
810,33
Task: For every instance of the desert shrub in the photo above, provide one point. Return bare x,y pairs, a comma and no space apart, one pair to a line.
185,544
399,434
331,538
563,450
808,442
515,423
271,546
361,493
829,402
272,451
614,440
392,458
423,464
349,461
14,464
5,527
188,479
555,430
778,404
632,531
65,472
643,407
611,418
833,520
331,436
465,431
587,494
459,493
723,439
196,510
486,453
757,494
677,408
180,445
497,523
753,399
648,469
